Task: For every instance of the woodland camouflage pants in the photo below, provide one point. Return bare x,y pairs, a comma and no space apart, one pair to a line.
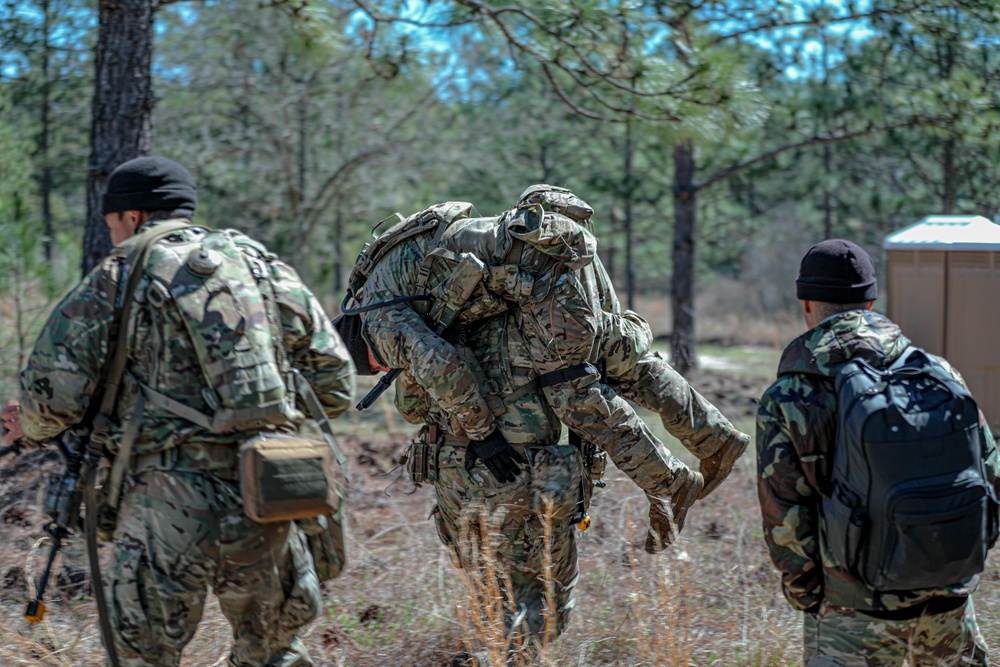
180,533
838,637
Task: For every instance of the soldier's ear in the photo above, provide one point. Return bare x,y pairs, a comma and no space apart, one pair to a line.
374,363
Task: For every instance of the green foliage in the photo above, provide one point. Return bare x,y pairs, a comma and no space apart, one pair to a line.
308,121
27,282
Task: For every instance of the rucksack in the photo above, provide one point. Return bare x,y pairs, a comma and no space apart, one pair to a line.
212,287
434,219
910,506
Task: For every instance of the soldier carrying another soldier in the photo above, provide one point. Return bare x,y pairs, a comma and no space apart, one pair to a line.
502,326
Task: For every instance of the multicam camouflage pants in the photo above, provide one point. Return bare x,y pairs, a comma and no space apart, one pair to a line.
180,533
514,513
838,637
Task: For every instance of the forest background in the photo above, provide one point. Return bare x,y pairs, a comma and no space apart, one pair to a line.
716,140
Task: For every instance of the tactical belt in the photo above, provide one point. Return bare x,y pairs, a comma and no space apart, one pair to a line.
499,405
463,441
220,460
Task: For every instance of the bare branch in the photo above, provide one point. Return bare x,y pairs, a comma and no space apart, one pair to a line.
806,143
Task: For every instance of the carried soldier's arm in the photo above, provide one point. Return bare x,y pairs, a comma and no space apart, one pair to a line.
402,339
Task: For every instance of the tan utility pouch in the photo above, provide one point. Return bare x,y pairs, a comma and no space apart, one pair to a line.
286,476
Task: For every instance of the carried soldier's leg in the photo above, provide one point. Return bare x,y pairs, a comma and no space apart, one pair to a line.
670,486
686,415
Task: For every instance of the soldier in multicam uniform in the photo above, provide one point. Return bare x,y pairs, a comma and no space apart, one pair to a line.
495,388
846,623
181,525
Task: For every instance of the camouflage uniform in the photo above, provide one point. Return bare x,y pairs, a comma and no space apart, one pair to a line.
540,310
847,623
181,525
648,379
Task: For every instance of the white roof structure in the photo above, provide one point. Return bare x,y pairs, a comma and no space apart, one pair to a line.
947,232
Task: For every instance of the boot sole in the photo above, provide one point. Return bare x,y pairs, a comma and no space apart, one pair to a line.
728,463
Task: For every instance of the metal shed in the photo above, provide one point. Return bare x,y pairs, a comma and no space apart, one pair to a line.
944,291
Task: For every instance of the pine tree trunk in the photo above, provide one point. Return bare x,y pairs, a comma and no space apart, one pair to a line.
121,125
629,240
45,138
682,341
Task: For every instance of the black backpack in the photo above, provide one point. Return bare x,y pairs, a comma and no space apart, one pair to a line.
910,505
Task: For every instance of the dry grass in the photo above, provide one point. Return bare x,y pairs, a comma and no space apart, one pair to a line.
713,598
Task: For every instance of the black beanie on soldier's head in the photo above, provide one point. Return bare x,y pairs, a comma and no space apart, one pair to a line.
349,328
837,271
150,184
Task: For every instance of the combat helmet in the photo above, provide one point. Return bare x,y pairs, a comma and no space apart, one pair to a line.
558,200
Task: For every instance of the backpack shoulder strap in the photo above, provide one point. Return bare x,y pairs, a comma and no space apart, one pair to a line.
135,265
136,262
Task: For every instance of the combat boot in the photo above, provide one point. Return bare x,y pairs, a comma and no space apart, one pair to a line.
684,497
717,467
666,519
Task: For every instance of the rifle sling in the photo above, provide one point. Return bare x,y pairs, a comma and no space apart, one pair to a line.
549,379
90,526
119,355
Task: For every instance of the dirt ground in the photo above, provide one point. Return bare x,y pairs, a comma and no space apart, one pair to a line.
711,599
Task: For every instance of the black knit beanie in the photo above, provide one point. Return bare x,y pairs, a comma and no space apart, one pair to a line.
150,184
837,271
349,328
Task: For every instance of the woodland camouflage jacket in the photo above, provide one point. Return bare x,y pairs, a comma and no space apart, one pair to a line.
63,371
796,426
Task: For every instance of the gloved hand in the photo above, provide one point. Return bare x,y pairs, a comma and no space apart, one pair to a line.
497,455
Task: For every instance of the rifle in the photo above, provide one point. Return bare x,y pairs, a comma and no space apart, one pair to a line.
62,505
379,388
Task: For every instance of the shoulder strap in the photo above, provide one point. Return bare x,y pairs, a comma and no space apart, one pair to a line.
135,265
116,368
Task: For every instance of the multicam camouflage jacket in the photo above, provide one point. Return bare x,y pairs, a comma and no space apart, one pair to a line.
796,429
546,317
64,369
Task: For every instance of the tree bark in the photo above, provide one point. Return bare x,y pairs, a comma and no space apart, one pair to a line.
682,340
121,125
45,138
629,266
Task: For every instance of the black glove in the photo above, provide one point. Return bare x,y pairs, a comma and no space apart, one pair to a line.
498,456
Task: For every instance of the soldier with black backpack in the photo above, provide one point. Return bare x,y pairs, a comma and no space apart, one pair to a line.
878,481
204,370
